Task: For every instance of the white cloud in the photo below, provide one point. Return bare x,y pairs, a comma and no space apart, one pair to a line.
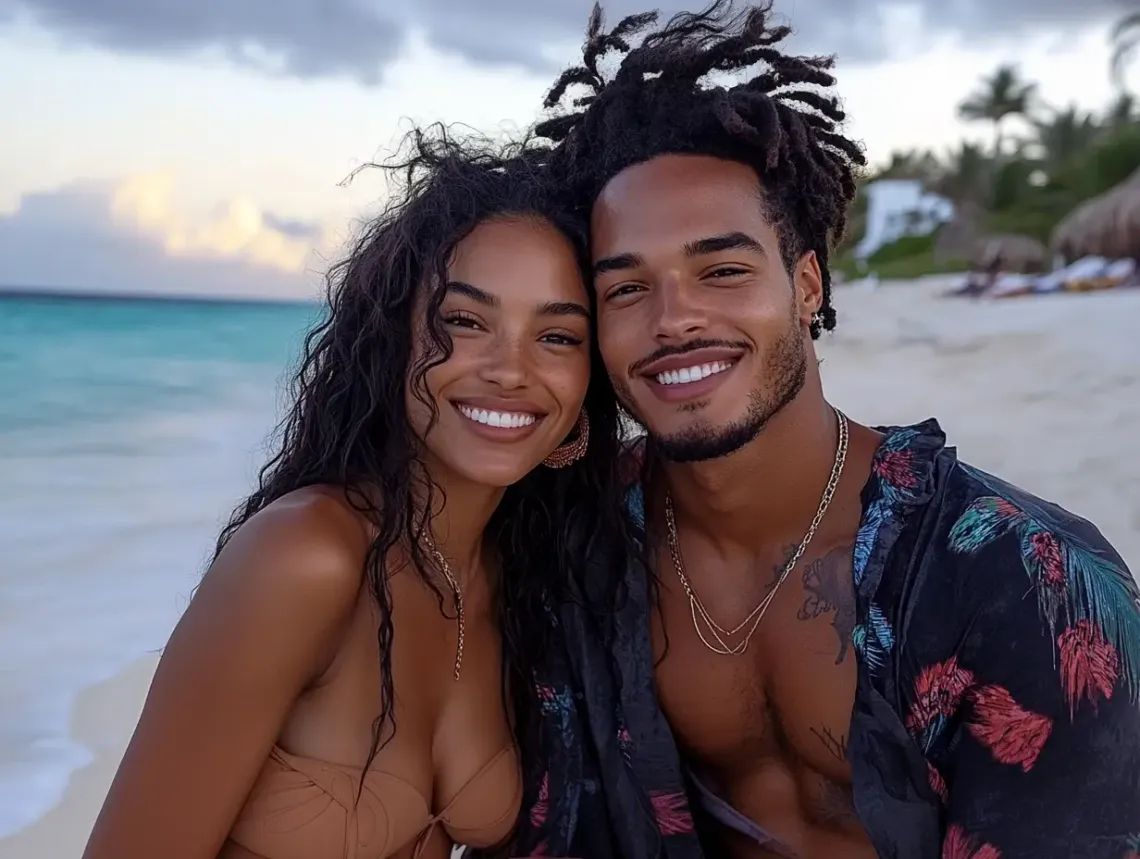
130,237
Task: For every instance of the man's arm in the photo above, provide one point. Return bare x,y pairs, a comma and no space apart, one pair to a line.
1045,759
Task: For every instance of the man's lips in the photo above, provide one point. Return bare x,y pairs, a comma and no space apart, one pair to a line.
695,358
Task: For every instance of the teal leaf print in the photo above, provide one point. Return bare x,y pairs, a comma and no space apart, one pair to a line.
865,538
1072,581
984,521
874,639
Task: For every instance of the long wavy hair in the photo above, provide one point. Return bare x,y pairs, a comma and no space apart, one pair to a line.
348,425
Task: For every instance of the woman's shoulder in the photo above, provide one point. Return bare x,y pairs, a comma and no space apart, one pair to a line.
310,539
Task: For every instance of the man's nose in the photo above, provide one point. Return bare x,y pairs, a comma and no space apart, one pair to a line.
680,314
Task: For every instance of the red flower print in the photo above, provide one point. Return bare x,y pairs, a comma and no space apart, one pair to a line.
1089,664
938,691
896,467
958,845
937,783
1048,559
541,808
1013,735
672,810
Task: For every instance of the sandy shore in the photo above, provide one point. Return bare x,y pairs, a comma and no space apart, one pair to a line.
103,721
1044,392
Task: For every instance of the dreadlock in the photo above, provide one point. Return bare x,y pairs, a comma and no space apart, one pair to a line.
779,121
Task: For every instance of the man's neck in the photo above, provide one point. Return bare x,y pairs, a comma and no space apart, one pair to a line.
769,490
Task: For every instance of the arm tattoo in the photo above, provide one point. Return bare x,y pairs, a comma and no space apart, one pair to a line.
830,590
837,746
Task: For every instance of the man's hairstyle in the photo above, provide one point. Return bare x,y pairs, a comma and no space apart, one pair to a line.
779,119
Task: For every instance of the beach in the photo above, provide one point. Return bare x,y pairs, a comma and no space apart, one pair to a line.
1044,391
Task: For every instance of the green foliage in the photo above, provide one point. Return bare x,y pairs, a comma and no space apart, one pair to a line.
1027,188
903,248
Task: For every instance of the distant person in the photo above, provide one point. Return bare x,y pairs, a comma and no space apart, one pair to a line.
843,642
354,676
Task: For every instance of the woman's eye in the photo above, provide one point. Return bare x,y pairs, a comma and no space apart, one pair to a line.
461,320
562,339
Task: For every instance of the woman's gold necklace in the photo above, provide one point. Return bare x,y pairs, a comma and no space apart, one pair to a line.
696,607
445,569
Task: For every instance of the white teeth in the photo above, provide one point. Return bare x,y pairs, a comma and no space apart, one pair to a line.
507,420
692,374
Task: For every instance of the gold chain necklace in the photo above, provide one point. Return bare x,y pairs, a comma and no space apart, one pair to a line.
696,607
445,568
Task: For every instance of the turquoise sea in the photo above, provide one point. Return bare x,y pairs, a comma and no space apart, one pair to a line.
128,430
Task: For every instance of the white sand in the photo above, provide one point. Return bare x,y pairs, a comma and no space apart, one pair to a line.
1043,391
104,719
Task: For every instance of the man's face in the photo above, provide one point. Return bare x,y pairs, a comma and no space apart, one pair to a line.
704,333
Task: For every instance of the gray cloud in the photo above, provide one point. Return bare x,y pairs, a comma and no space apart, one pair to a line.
293,228
312,38
66,240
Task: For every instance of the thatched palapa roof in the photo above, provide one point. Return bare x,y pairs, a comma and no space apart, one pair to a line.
1018,254
1105,226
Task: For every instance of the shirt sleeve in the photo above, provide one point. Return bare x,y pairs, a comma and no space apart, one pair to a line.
1043,758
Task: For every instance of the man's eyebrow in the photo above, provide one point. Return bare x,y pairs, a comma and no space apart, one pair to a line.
473,292
697,247
618,263
728,242
564,308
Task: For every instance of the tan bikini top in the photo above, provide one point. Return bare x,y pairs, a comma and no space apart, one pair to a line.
301,808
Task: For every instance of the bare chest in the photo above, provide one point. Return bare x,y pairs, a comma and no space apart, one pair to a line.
784,698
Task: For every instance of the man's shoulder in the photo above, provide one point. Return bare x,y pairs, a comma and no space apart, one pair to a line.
980,511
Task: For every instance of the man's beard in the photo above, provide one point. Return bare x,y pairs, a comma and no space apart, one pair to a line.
784,375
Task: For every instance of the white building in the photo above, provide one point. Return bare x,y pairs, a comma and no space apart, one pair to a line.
897,208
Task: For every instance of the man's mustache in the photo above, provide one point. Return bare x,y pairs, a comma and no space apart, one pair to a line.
692,346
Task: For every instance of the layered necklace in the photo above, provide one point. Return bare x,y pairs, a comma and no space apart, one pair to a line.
702,620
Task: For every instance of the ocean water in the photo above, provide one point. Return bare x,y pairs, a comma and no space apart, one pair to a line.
128,431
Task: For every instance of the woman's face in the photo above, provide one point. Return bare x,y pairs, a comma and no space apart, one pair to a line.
517,313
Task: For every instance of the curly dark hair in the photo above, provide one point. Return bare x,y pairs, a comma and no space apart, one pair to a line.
778,120
348,425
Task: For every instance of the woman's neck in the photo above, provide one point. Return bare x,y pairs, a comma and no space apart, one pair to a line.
461,511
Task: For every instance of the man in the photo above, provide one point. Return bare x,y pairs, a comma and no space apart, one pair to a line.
845,642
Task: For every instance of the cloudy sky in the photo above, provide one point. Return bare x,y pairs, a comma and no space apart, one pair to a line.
198,145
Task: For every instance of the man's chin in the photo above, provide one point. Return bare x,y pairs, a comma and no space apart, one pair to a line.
704,441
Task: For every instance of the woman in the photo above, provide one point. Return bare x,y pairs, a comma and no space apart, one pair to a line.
353,675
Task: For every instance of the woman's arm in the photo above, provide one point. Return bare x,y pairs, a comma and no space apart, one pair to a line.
264,624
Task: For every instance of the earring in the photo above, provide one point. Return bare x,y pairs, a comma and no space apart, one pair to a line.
570,452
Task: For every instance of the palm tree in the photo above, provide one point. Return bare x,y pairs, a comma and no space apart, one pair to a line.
1121,112
1125,40
966,175
1065,135
911,164
1000,96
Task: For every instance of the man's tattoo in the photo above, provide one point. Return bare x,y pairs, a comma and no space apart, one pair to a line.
837,746
830,589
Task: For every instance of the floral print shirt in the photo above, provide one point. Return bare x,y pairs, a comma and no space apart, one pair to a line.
996,713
